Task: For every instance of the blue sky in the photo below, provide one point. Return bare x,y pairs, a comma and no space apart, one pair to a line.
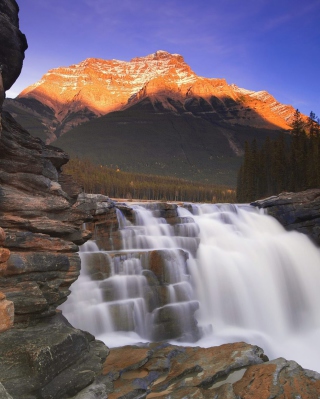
271,45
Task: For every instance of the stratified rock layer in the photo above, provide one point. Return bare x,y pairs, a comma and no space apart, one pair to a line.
42,355
296,211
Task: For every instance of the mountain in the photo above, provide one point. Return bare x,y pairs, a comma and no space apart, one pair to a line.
154,109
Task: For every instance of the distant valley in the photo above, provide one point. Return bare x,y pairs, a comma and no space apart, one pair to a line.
152,114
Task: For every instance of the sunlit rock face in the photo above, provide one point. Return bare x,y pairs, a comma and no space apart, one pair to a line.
94,87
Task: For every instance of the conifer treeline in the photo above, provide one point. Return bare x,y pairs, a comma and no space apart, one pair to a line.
290,163
118,184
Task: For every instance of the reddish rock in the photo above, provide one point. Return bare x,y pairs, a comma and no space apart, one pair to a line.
231,371
2,236
278,379
6,313
4,255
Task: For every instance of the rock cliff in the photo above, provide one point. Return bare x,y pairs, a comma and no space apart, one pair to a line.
41,226
296,211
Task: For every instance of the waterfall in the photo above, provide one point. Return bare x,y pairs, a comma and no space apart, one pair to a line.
210,275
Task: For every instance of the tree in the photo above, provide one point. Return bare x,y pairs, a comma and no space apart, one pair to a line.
298,125
289,163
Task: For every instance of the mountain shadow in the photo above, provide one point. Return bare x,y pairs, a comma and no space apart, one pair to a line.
195,141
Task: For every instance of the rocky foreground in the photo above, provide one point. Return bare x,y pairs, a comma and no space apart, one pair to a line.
230,371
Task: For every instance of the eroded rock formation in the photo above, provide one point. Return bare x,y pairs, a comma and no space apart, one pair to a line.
41,221
296,211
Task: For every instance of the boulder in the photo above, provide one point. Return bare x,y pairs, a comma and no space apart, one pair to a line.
51,360
296,211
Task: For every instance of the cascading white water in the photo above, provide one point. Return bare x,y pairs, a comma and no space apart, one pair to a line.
249,278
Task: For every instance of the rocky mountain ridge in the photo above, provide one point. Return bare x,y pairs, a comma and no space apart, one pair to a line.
68,96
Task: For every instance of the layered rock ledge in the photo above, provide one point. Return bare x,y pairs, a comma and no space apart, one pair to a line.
296,211
42,355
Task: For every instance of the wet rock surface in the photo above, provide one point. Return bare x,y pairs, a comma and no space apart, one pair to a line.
230,371
147,280
296,211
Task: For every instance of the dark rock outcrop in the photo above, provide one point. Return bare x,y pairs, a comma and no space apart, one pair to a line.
230,371
296,211
50,360
13,43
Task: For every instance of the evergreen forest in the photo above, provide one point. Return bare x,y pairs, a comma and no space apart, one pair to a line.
289,163
126,185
